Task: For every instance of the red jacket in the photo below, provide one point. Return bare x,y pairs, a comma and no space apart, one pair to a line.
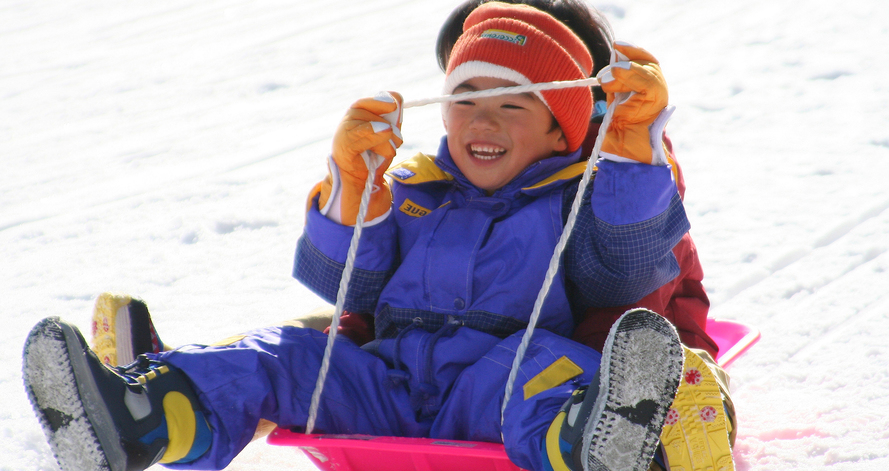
682,301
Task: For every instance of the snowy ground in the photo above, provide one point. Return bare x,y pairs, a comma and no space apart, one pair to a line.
165,149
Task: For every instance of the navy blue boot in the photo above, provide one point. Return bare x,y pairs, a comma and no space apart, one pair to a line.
615,423
100,418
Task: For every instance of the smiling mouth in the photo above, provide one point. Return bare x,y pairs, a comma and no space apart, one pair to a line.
486,152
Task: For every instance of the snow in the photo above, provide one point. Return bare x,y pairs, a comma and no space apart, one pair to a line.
165,149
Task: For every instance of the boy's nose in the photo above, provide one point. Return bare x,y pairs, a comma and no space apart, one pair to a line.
483,120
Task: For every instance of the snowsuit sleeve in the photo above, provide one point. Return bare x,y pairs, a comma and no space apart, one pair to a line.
621,247
321,256
683,300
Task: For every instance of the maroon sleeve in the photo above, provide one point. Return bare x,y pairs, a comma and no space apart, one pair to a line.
683,300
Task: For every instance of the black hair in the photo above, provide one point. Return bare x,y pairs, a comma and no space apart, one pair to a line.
586,22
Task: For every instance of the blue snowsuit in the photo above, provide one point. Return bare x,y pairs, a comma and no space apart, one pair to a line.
451,276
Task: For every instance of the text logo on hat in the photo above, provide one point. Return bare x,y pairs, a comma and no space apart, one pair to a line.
515,38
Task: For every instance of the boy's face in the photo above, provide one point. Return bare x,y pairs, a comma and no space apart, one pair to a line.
493,139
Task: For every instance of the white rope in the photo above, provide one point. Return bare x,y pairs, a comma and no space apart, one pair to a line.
371,162
554,263
534,87
362,212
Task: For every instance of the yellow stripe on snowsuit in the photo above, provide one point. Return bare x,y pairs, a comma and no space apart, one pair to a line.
567,173
555,374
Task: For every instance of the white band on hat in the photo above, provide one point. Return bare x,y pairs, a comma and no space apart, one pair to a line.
472,69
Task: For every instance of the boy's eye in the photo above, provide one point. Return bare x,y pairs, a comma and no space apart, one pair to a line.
463,102
511,106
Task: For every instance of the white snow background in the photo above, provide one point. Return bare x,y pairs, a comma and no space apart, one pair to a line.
165,149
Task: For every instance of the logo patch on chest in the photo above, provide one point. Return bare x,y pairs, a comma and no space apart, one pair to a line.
402,173
413,209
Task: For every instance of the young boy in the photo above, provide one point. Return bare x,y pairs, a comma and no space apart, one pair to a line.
450,265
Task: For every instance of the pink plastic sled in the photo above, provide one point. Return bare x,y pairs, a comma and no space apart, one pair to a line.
371,453
733,339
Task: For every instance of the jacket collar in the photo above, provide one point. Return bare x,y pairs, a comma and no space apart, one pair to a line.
536,178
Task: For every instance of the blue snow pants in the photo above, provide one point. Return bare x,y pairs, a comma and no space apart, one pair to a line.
447,385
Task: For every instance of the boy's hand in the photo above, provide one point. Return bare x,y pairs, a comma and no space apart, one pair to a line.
370,124
637,84
370,129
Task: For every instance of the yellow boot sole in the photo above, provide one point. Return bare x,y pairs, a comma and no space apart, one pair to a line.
695,433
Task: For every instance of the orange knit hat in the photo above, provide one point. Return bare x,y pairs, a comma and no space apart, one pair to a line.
525,45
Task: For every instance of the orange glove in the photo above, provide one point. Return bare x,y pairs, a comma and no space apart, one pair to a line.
636,83
370,132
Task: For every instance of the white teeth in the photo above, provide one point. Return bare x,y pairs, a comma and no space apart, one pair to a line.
488,149
486,152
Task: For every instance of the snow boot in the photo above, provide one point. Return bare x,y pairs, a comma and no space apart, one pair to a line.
697,430
614,424
122,329
100,418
